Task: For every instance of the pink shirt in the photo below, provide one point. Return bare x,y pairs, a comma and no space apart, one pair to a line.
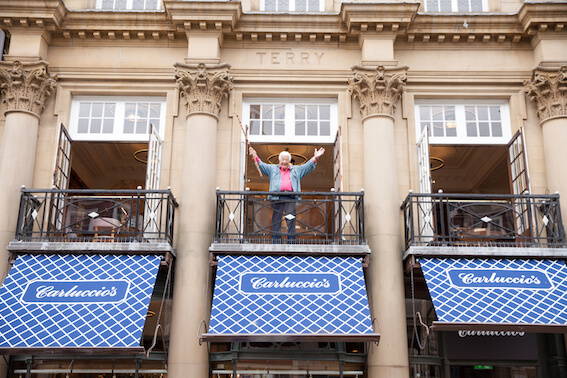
285,178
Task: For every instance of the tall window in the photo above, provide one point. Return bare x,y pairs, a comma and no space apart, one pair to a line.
467,122
292,5
124,5
460,6
116,118
291,120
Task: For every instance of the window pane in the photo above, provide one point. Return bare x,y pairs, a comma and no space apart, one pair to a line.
143,110
450,113
469,113
283,5
463,5
137,4
128,126
325,128
279,128
311,111
496,129
280,112
482,112
483,129
451,129
312,128
299,128
84,109
130,111
476,5
151,4
299,111
325,112
300,5
437,112
109,109
445,5
155,110
83,126
471,129
438,129
425,112
254,111
432,5
97,109
95,125
155,123
108,126
267,111
267,128
254,127
120,4
495,113
269,5
424,125
141,126
313,5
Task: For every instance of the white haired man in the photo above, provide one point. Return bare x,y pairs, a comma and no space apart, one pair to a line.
285,177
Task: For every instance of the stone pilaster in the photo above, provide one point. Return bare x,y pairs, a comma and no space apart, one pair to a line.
203,87
377,90
25,87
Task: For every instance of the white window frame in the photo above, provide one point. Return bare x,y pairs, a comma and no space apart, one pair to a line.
462,137
292,7
119,115
289,126
129,7
455,7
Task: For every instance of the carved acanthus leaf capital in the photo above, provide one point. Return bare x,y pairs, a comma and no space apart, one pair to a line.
203,86
26,86
548,89
377,90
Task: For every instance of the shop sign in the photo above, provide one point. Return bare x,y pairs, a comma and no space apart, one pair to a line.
499,278
290,283
468,333
73,292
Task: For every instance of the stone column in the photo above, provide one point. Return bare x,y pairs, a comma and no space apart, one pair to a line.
548,89
25,88
203,88
378,90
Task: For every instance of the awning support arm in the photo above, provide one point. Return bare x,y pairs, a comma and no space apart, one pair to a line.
164,295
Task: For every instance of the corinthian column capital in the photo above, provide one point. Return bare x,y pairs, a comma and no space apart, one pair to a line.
203,86
548,89
378,90
25,87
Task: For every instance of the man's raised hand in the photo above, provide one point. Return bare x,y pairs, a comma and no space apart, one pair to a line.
318,153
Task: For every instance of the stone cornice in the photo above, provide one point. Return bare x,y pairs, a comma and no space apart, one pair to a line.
25,87
548,90
226,17
203,86
378,90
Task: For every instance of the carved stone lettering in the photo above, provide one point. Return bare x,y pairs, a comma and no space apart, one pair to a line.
203,86
377,90
275,58
25,86
548,89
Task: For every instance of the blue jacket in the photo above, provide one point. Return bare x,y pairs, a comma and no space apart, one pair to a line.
296,174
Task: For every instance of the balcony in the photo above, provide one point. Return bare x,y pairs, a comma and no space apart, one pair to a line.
317,222
483,224
95,220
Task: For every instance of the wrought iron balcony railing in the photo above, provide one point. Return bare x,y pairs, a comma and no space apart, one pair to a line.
96,216
294,218
481,219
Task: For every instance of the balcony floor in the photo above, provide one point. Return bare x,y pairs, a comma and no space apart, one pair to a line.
485,251
17,246
289,249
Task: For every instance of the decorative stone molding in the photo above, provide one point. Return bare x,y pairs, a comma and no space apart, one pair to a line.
25,87
203,86
548,89
378,90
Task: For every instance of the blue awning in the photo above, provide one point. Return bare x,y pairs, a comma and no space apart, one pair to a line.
498,294
277,298
76,302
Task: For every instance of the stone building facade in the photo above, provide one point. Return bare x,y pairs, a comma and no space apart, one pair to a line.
125,128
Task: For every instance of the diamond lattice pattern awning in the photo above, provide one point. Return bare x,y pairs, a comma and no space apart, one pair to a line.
498,294
50,302
279,298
